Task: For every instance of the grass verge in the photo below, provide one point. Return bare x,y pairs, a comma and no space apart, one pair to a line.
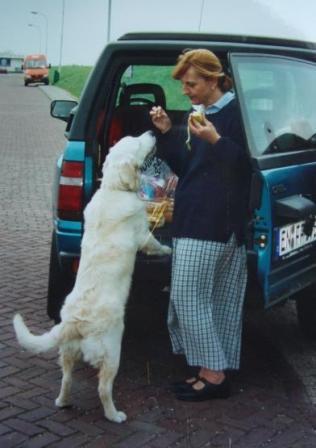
72,78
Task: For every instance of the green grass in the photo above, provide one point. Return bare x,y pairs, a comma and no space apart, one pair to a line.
72,78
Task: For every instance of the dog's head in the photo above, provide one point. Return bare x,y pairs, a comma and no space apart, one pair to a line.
122,164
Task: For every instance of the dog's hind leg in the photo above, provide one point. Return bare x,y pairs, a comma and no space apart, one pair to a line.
106,377
108,370
67,359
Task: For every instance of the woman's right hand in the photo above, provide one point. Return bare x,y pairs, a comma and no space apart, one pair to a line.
160,119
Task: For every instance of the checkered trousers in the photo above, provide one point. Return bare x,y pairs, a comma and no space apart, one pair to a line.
207,294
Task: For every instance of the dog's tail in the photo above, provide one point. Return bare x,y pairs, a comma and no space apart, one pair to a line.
35,344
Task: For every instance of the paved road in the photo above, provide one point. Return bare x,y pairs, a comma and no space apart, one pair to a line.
273,394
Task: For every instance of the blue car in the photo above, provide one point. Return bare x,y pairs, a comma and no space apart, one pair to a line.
274,83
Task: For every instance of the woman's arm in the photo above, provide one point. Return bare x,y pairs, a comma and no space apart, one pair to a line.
170,139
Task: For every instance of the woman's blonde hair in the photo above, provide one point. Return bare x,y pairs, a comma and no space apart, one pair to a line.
206,65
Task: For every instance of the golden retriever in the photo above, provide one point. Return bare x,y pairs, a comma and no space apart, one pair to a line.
92,317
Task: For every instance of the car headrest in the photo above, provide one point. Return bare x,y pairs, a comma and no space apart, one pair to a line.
134,94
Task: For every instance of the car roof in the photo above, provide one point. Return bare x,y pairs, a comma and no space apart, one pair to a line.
233,38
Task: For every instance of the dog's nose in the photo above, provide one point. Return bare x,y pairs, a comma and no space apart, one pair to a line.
150,134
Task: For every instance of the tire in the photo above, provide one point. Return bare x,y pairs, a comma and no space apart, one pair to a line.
26,83
306,311
59,284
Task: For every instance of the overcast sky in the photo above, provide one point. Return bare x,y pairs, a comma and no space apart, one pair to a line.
85,28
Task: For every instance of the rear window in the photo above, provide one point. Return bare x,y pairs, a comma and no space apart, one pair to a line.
161,75
140,87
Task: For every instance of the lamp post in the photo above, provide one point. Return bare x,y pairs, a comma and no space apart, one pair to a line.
40,34
46,26
109,21
201,15
61,35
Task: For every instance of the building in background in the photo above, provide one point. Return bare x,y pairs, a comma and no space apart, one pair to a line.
10,63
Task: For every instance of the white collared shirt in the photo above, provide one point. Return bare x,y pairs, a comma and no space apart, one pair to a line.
218,105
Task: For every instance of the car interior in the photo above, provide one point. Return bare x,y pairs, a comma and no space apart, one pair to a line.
131,115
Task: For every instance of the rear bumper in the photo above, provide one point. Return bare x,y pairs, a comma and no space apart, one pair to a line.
148,269
31,80
153,269
283,282
287,280
68,241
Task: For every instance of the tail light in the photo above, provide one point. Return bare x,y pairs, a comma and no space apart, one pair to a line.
70,195
75,265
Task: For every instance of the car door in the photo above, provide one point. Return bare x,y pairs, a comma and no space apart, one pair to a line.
277,96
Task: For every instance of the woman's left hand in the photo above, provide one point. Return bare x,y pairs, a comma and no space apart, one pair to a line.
205,131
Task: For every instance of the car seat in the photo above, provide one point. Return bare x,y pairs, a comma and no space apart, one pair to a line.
131,116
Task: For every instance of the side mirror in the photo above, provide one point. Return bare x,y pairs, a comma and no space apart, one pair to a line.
61,109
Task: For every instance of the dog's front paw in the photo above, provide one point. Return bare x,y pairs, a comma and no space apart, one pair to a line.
166,250
117,417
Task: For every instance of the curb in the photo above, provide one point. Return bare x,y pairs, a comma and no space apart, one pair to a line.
57,93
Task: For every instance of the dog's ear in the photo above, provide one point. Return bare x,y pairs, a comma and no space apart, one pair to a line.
121,174
128,175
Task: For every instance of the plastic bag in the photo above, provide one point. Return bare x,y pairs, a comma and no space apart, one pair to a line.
157,188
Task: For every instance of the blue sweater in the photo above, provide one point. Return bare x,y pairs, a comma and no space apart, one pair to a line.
211,197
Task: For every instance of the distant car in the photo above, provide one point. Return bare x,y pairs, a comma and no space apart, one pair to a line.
3,71
274,82
36,69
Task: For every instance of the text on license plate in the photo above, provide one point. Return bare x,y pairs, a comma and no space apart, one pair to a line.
292,237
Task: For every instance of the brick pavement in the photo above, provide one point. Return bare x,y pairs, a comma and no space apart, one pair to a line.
268,408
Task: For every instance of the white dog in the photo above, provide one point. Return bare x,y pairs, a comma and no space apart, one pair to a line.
92,317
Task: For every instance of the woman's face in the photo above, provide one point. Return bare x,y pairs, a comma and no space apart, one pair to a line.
200,90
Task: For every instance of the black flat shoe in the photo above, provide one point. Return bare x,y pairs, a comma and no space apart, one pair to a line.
208,392
181,386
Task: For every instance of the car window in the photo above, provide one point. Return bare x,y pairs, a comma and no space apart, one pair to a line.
139,88
161,75
35,63
277,97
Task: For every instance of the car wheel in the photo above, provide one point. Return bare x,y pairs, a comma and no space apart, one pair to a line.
26,83
59,284
306,311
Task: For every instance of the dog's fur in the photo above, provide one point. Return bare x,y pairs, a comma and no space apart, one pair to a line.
92,317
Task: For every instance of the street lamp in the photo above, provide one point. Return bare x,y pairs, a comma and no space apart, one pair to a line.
40,34
201,15
61,36
109,21
46,26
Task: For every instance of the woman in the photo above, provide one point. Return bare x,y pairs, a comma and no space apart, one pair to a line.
209,257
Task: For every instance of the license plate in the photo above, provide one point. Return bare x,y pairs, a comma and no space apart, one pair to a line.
292,237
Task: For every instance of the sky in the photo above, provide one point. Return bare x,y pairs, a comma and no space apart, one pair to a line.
76,31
